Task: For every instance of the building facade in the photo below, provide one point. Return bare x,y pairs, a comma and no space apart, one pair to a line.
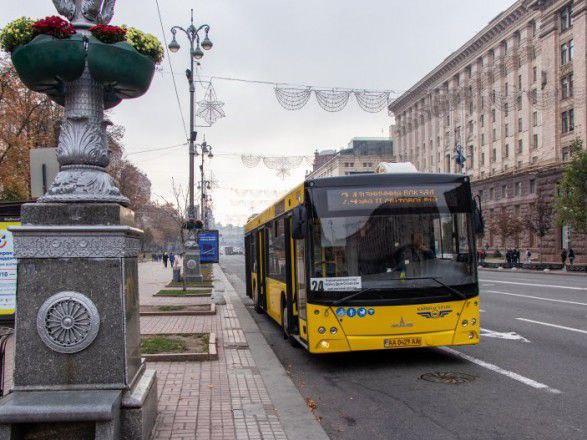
513,98
362,155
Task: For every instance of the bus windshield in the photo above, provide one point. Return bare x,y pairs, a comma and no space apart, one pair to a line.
383,246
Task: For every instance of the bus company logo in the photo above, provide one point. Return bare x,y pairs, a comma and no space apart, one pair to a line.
433,314
3,240
340,312
402,324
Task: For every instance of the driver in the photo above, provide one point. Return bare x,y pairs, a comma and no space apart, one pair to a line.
413,252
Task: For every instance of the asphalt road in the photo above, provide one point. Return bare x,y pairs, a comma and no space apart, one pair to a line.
529,374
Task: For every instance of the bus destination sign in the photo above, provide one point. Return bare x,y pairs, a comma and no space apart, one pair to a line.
364,198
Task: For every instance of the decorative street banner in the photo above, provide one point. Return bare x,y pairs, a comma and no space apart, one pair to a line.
7,270
209,246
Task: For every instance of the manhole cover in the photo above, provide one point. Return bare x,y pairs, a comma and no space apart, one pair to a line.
449,377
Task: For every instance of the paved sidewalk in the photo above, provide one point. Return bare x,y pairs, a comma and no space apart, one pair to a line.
223,399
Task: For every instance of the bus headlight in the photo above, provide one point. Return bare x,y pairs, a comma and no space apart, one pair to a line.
324,344
472,335
333,330
473,321
321,330
465,322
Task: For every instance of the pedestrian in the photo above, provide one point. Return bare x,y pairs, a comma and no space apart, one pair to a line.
171,259
482,255
165,258
571,256
564,258
528,256
517,251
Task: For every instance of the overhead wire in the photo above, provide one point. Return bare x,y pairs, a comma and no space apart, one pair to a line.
185,130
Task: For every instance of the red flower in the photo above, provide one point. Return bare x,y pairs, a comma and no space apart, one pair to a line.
54,26
108,34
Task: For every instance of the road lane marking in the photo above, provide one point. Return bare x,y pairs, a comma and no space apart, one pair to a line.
553,325
487,284
538,285
515,376
511,336
538,297
482,311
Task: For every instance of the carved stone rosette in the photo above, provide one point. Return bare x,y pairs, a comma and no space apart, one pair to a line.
83,148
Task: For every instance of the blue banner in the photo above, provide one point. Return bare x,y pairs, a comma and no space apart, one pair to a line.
209,246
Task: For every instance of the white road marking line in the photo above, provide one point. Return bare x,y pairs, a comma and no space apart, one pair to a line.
538,297
515,376
482,311
539,285
487,284
511,336
553,325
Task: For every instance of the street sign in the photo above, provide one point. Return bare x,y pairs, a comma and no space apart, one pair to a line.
209,246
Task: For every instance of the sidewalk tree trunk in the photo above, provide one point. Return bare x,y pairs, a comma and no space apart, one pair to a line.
505,225
539,218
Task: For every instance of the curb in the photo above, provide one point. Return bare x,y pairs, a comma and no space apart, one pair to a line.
212,311
576,274
297,421
212,354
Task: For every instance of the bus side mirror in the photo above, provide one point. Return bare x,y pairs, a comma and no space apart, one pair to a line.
299,220
478,222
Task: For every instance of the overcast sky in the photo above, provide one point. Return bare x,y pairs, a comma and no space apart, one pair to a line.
372,44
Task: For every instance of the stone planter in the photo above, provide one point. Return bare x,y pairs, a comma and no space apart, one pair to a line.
46,62
122,70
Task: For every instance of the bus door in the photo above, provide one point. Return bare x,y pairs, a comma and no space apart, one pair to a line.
289,278
261,245
301,293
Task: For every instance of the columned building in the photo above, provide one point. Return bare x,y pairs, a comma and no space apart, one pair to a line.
513,98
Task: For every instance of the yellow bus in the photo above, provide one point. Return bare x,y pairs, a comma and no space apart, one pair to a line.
369,262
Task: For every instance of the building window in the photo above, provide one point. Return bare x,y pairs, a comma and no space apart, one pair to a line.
505,110
506,89
507,130
492,96
534,119
519,164
568,121
567,52
534,141
506,150
519,82
482,138
519,101
566,155
494,134
504,191
534,74
494,155
520,125
471,107
518,189
571,50
567,86
566,16
492,115
532,186
482,120
480,194
534,159
482,158
534,96
491,194
520,146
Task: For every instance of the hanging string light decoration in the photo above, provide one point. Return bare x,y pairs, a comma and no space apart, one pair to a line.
332,100
283,165
372,102
250,160
293,98
210,109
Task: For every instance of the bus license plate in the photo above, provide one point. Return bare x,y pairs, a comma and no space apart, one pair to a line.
402,342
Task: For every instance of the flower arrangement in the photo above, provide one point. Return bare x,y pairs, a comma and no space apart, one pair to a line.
17,33
54,26
108,34
145,44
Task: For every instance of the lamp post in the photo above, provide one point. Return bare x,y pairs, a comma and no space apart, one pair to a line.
191,261
204,184
193,34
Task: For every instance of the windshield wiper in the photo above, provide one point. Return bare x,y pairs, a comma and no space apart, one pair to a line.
351,296
452,289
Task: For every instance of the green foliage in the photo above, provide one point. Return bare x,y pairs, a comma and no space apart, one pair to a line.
162,344
17,33
12,194
145,44
571,198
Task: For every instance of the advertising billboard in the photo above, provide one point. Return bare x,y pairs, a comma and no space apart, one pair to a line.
209,246
7,269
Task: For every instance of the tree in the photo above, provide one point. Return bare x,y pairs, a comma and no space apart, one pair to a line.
27,120
571,197
539,218
505,225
